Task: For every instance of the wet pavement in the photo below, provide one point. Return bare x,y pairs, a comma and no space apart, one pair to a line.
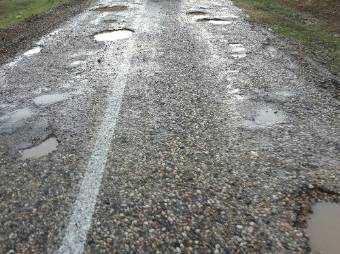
162,126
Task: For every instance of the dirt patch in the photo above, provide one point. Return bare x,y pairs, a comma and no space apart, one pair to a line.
111,8
19,37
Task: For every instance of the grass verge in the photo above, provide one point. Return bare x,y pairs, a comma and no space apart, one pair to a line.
15,11
313,23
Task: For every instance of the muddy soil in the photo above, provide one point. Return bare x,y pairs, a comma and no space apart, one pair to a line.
19,37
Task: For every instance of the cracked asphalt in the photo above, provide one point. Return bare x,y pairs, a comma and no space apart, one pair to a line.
199,132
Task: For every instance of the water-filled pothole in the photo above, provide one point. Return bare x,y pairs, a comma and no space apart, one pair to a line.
265,117
15,119
111,8
216,21
77,63
48,99
324,228
113,35
110,21
44,148
196,13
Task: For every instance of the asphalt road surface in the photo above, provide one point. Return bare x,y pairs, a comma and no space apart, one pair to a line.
171,132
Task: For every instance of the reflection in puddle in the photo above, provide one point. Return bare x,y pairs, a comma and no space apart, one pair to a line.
265,117
324,228
50,99
44,148
113,35
237,50
15,119
33,51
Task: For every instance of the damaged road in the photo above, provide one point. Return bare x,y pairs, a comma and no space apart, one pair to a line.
163,126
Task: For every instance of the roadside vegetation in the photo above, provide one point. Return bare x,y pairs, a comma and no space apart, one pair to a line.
313,23
14,11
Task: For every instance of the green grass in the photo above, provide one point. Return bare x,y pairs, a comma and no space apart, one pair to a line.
313,23
14,11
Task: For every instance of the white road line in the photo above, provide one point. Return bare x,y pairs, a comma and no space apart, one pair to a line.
76,232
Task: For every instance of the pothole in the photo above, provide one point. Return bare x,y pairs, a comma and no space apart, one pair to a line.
15,119
216,21
111,8
48,99
33,51
196,13
44,148
265,117
77,63
113,35
324,228
110,21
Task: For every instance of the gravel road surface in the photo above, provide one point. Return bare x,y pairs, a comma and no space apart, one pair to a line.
163,126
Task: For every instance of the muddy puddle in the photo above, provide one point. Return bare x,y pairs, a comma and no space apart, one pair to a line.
324,228
112,8
33,51
265,117
113,35
15,119
49,99
44,148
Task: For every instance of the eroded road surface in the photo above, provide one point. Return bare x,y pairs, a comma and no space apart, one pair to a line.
162,127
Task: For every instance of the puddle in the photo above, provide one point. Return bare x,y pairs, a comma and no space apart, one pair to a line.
324,228
284,93
237,50
76,64
44,148
196,13
220,22
234,91
33,51
110,21
114,35
265,117
15,119
111,8
48,99
216,21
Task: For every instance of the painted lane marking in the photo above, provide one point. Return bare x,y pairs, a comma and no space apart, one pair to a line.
80,221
